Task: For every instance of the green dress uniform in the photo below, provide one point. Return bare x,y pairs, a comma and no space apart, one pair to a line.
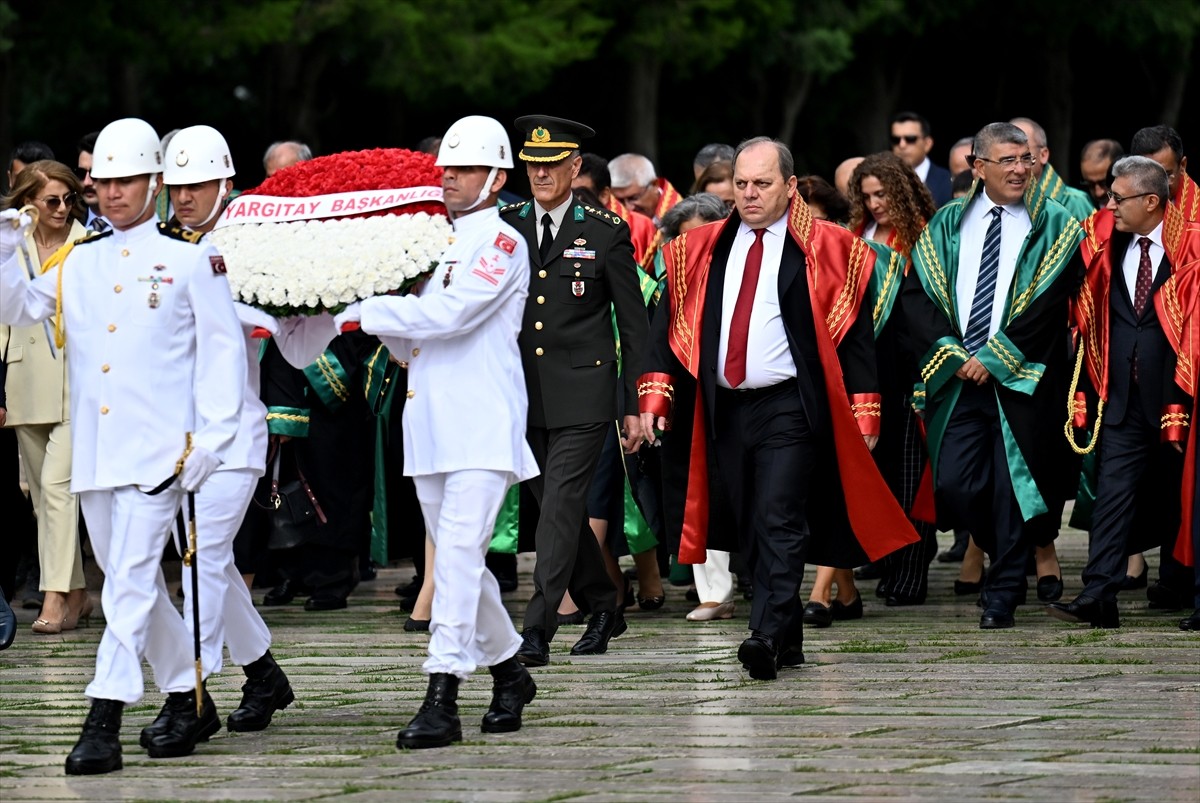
570,356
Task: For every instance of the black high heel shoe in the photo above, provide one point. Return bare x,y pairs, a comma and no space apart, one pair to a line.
1129,582
966,588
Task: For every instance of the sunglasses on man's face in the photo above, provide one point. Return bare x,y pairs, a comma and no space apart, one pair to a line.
82,172
909,139
53,201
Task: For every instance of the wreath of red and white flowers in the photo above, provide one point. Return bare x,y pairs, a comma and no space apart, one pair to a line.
329,231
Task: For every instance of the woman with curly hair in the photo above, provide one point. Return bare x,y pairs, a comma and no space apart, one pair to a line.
889,204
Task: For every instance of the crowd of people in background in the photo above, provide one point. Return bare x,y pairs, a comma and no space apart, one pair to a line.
981,303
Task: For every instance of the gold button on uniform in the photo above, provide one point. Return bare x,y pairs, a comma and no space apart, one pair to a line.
103,411
598,362
541,299
538,351
104,368
124,252
33,340
112,327
117,289
412,393
416,352
541,274
576,274
537,325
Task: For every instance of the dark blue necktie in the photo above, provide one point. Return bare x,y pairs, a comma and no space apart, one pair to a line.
985,287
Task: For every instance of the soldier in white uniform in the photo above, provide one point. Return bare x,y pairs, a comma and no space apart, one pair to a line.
157,356
198,174
464,427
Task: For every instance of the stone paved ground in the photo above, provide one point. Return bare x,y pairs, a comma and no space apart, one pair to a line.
906,704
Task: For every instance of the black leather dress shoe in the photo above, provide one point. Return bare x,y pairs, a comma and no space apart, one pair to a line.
1049,588
965,588
534,649
759,656
8,623
415,625
903,600
791,656
265,691
842,612
281,594
436,723
178,734
1163,597
99,747
1087,610
512,690
817,615
996,617
1192,622
410,589
602,627
324,603
871,571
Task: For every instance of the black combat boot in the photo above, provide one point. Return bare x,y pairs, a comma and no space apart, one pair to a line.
436,724
265,691
178,728
99,747
512,688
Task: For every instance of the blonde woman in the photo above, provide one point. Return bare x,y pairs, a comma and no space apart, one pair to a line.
38,399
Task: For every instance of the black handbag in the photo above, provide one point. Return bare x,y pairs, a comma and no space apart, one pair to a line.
294,510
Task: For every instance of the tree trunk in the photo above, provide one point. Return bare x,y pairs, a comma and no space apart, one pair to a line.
645,75
795,95
1174,86
1059,105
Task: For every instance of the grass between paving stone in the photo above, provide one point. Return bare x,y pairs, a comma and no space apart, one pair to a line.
869,645
956,654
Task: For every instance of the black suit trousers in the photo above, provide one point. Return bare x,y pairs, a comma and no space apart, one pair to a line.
568,554
1127,451
974,488
765,453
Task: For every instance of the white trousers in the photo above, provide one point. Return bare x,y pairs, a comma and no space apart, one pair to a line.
227,613
714,581
128,530
469,626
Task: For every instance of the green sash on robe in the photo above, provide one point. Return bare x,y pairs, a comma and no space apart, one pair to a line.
1077,202
1045,253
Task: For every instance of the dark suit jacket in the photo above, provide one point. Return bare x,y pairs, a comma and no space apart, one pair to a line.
938,181
569,318
1128,333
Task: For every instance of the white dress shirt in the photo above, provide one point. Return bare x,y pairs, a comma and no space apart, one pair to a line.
1015,226
1133,257
922,170
556,218
768,358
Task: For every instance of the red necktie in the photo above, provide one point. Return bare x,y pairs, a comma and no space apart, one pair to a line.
1145,278
739,325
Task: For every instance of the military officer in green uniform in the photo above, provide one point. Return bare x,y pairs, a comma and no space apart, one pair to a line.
582,275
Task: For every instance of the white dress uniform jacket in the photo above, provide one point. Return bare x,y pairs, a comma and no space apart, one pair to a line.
156,351
467,403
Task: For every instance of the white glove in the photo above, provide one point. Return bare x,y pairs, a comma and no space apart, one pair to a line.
352,313
11,237
253,316
198,467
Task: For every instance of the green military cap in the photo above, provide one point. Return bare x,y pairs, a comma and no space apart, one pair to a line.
549,139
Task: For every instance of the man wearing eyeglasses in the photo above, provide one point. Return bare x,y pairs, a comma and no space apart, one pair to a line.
636,184
911,141
1164,145
1095,161
1138,382
987,305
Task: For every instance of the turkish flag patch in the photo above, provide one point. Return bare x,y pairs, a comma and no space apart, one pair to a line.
505,243
218,264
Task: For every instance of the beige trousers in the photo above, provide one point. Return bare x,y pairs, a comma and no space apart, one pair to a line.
46,454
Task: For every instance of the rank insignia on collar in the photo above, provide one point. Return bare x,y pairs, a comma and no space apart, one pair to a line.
577,289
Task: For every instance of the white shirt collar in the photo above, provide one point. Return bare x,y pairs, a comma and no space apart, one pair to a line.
922,170
1155,237
480,218
556,214
778,228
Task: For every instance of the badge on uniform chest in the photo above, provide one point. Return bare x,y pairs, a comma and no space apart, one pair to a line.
577,288
156,280
579,253
449,270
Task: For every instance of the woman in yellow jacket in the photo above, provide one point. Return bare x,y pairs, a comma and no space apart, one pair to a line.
37,399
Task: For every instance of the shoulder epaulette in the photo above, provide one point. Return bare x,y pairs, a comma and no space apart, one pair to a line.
603,214
514,206
176,233
92,236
